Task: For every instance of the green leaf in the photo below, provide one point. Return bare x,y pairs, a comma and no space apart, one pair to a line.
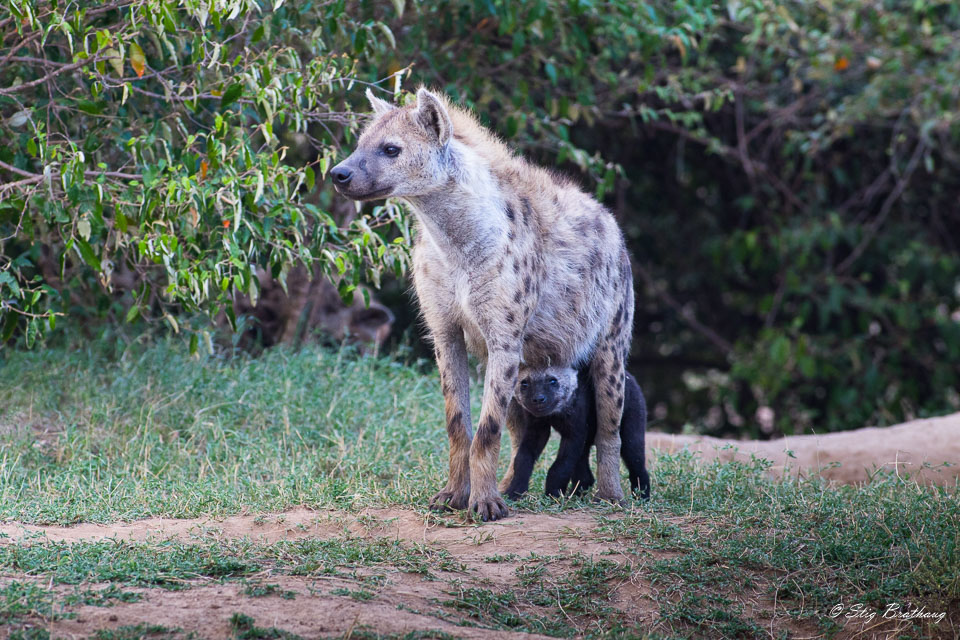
9,324
83,228
8,279
231,95
115,59
389,34
87,253
90,107
551,72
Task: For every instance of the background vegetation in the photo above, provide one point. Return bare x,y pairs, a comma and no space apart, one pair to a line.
786,172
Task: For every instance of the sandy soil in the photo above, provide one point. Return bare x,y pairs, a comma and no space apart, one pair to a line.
916,450
315,612
407,602
400,604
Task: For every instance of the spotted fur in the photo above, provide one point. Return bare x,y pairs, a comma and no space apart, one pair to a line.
511,263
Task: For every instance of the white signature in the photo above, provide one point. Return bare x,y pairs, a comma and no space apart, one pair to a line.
894,611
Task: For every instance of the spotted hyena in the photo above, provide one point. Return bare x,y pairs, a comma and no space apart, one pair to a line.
511,263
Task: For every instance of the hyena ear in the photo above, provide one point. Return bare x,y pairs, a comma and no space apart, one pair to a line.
378,105
432,116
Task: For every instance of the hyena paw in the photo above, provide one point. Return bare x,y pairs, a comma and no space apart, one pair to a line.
450,500
612,497
488,507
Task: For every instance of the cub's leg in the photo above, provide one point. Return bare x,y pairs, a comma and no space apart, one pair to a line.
451,352
517,424
575,425
525,456
582,475
568,457
632,433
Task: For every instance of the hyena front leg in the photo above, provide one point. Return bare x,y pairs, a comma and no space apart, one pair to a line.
607,372
451,352
499,382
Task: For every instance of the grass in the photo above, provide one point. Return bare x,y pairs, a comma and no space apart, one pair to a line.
102,434
124,431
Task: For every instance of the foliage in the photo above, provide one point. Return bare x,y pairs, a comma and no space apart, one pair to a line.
150,141
785,172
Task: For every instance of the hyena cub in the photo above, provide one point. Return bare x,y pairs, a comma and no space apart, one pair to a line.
562,398
511,263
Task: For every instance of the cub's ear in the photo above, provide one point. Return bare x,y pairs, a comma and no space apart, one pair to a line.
432,115
378,105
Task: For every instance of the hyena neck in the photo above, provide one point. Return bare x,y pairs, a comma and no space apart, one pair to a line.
465,219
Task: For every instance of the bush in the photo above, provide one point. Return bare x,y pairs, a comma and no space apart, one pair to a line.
785,172
171,148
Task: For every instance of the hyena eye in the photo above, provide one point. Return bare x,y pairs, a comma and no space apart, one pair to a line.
553,382
391,150
524,384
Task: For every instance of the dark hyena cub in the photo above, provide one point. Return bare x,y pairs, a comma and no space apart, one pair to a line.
562,398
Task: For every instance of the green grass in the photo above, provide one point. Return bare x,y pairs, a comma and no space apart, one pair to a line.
260,590
142,632
119,432
89,436
245,629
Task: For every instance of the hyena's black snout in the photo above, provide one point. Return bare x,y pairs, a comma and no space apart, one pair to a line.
342,175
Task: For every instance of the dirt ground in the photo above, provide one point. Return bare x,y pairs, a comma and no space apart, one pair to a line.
916,449
206,609
490,554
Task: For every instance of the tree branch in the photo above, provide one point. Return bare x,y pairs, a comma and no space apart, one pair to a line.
9,91
37,177
885,209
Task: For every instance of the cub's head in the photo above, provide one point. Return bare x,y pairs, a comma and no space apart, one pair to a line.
543,392
402,151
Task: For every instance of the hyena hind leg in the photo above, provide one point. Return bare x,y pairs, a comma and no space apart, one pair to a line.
607,372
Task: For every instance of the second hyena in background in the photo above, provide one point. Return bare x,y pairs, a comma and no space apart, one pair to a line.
511,263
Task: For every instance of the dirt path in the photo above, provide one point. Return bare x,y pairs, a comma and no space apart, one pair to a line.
307,609
917,450
490,554
524,533
493,556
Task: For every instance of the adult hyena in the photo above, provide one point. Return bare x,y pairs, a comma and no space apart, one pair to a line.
511,263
